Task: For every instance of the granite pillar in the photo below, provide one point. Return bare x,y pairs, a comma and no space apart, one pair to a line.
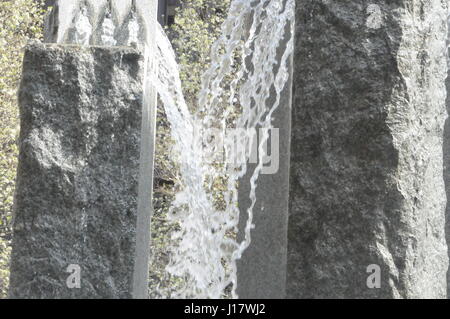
367,196
84,179
262,269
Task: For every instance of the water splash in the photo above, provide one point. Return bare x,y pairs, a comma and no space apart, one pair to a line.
82,28
193,206
133,30
253,34
108,30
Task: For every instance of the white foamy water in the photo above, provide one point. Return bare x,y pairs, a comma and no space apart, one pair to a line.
133,31
108,29
254,31
82,28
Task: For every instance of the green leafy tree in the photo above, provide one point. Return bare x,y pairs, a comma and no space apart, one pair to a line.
20,20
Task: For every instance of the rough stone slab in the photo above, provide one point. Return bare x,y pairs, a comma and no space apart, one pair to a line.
59,29
262,269
82,125
366,160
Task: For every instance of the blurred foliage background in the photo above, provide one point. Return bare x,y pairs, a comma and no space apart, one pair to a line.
20,20
197,26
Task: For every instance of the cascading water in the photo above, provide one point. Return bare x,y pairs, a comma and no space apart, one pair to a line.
108,29
133,31
248,52
254,30
82,28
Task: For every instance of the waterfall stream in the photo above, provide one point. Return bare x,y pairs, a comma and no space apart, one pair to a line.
248,53
248,50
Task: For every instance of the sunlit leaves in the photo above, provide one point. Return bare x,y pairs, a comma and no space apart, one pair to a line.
197,26
20,20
